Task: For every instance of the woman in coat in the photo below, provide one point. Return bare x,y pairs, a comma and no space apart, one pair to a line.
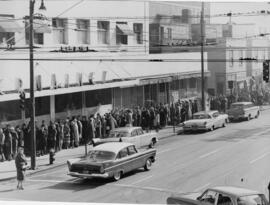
21,163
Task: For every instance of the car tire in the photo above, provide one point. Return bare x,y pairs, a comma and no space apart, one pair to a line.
148,164
117,175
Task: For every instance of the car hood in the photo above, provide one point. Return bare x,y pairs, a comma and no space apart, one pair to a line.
187,198
196,121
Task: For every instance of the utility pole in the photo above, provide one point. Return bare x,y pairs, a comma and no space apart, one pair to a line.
202,55
32,97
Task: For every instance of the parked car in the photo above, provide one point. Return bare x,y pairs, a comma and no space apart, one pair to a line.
243,110
206,120
134,135
220,196
112,159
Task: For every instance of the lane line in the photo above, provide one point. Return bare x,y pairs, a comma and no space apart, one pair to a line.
260,157
50,181
146,188
143,179
202,187
209,153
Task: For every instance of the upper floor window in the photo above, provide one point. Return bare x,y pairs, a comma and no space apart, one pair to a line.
138,30
231,58
82,31
122,33
103,32
60,33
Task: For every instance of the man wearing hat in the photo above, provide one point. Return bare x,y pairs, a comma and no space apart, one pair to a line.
20,162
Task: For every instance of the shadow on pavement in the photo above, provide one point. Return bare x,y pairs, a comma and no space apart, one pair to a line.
8,190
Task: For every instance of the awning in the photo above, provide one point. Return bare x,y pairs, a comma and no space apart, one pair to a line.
41,26
125,29
9,25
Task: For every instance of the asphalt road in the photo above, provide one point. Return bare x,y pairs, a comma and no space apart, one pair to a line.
237,155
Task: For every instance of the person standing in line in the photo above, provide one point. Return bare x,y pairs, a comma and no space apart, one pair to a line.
98,126
79,124
2,143
61,135
8,143
14,142
51,136
20,162
75,131
66,141
44,137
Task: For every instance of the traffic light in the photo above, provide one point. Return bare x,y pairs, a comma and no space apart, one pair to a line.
22,100
266,71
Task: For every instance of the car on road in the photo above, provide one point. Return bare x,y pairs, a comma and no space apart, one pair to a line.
243,110
224,195
134,135
206,120
111,160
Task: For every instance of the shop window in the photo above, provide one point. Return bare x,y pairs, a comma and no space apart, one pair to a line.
192,83
138,30
98,97
7,38
10,110
60,32
82,31
38,38
103,32
42,106
71,101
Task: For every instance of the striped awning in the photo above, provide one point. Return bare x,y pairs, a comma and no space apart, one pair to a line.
125,29
9,25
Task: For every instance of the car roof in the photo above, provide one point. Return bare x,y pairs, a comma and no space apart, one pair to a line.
205,112
234,191
112,146
241,103
126,129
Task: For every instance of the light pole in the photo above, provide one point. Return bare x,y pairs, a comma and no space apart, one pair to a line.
32,96
202,56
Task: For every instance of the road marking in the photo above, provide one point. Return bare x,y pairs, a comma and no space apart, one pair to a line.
146,188
143,179
260,157
210,153
50,181
202,187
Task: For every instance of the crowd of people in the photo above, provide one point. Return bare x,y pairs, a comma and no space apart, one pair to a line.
78,130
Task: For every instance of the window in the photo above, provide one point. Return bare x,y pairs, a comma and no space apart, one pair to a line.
224,200
7,38
209,197
60,33
133,133
38,38
103,32
139,132
230,58
169,32
138,30
215,114
121,37
257,199
123,153
82,31
131,150
192,83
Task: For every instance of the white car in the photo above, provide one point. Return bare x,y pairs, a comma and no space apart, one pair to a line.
206,120
134,135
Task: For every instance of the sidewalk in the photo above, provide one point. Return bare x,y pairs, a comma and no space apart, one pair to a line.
8,170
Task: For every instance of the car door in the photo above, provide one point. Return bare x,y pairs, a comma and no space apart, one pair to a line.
123,161
135,139
218,120
136,160
144,137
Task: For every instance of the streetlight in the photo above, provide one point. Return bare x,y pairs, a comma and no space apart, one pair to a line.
32,96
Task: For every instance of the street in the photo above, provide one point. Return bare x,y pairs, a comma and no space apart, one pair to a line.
236,155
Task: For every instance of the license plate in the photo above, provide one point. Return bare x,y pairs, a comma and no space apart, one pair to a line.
85,172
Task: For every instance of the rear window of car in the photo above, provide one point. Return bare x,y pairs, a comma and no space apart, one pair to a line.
201,116
99,156
237,106
119,134
256,199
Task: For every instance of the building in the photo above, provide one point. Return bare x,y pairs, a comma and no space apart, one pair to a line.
86,62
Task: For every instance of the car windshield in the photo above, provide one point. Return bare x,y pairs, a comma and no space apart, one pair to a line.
100,156
118,134
237,106
256,199
201,116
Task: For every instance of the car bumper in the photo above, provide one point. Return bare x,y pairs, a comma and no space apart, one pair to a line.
195,129
81,175
237,117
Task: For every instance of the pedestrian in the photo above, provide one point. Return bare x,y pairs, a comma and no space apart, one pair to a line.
2,143
8,143
79,123
75,131
15,139
66,141
98,126
91,128
20,162
44,137
51,136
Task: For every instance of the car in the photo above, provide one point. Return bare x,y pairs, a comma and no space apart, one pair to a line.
206,120
111,160
134,135
223,195
243,110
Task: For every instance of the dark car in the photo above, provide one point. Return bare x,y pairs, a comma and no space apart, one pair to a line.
112,159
